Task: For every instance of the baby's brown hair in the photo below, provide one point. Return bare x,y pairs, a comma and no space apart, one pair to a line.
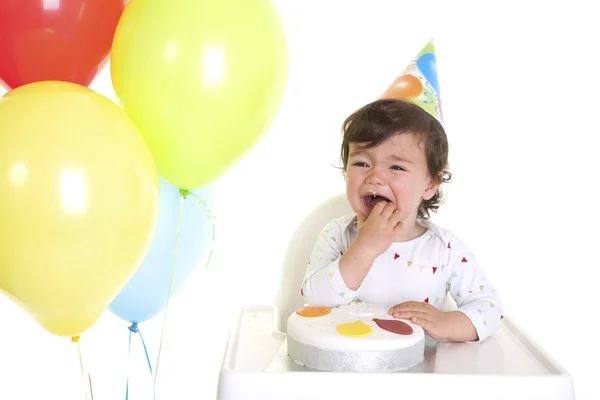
375,122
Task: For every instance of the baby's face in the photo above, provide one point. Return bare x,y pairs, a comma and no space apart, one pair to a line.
394,171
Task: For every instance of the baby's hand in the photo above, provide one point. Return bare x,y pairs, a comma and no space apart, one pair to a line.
376,233
437,324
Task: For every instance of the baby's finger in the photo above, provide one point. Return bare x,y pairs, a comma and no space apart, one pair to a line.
395,308
360,218
411,314
399,307
395,217
408,306
423,323
378,208
388,209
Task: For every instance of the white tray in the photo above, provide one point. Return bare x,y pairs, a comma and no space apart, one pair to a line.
508,365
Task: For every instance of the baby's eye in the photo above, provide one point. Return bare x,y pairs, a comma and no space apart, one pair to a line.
397,168
360,164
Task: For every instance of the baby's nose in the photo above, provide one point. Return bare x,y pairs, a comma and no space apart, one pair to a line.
376,177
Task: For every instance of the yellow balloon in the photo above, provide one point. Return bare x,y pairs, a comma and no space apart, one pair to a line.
79,196
202,79
48,87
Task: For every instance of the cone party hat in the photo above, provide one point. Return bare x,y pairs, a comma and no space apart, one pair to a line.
419,84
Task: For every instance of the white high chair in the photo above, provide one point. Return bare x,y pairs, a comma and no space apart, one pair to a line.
288,299
508,364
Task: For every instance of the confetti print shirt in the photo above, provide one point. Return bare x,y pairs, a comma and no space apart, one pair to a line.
422,269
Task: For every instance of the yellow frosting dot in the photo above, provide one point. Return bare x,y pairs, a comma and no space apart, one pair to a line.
354,329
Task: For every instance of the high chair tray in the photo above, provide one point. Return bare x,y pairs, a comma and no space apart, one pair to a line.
508,365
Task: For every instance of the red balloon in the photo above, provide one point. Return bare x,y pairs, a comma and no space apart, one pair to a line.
59,40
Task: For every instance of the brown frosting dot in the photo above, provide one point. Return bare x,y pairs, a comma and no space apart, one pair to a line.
394,326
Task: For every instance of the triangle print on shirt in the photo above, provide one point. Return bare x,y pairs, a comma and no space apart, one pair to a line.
393,278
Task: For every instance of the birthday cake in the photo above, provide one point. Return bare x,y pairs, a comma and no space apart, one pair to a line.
357,337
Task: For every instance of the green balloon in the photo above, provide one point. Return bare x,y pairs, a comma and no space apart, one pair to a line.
202,79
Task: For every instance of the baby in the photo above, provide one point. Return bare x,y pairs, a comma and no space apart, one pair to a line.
395,158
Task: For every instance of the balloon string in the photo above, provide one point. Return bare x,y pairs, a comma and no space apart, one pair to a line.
75,339
210,216
90,381
202,202
129,359
212,247
181,198
146,352
134,329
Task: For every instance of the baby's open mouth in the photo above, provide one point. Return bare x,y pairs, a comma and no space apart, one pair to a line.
371,200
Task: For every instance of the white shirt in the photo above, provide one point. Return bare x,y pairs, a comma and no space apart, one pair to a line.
423,269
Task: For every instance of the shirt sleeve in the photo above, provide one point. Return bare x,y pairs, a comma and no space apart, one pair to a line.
475,295
323,284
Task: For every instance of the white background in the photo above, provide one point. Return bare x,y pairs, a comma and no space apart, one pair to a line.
520,88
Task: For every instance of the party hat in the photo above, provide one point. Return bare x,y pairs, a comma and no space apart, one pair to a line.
419,84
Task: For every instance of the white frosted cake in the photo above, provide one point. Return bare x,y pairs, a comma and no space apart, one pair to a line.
356,337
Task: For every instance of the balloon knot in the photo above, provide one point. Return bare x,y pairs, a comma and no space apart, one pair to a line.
184,193
75,339
134,328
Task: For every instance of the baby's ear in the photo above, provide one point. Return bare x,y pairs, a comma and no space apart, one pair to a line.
432,187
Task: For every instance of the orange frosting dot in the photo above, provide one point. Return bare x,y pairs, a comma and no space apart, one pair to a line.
313,311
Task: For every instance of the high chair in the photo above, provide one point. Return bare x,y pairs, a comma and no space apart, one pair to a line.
507,365
288,299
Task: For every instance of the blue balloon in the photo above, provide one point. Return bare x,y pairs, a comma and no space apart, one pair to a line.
145,295
428,66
